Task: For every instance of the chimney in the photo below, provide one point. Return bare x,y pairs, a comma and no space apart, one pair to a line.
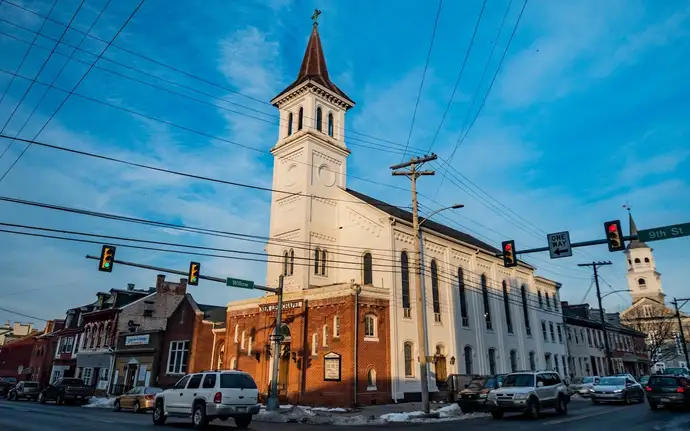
169,287
130,286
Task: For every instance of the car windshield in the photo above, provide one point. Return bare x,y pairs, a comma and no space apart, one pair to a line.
476,383
588,380
612,381
518,381
675,371
8,379
663,381
644,379
72,382
30,384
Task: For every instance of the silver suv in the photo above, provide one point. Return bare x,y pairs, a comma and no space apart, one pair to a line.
209,395
529,392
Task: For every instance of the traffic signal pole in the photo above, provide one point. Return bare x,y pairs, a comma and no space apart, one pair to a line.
273,403
413,173
594,265
680,326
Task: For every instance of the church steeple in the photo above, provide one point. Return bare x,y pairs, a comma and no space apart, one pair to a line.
644,281
633,231
313,68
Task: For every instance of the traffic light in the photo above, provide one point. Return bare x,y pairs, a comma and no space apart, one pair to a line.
194,268
614,235
509,259
107,258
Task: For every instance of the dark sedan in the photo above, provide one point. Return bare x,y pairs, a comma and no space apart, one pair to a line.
473,397
669,391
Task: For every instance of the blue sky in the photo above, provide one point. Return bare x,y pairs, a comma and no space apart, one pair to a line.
588,112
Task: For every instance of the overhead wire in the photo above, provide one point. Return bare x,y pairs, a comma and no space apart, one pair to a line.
421,84
71,92
18,313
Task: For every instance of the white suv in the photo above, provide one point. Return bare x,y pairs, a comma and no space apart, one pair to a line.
209,395
529,392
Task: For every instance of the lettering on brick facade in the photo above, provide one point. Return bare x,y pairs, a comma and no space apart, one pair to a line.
274,307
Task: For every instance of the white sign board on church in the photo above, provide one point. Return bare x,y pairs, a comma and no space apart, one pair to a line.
559,245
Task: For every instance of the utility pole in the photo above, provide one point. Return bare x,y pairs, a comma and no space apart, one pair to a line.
594,265
273,403
680,325
413,173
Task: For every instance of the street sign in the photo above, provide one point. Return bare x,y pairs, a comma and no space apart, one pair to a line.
559,245
236,282
279,338
664,232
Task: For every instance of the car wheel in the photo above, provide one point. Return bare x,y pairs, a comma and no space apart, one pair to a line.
199,418
243,422
11,396
116,406
594,401
497,414
41,398
532,409
59,400
562,406
159,413
653,406
627,399
136,408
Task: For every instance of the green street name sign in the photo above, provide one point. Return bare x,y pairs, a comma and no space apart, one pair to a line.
665,232
242,284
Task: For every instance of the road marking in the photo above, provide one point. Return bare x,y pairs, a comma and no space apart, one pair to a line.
100,420
576,418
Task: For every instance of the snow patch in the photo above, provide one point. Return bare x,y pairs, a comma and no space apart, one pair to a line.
100,403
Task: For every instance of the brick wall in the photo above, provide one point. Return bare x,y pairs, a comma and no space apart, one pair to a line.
309,387
202,347
164,302
180,327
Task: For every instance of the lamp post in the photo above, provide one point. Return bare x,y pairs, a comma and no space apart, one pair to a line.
421,301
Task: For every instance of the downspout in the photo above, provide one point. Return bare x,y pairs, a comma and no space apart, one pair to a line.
394,375
358,290
213,349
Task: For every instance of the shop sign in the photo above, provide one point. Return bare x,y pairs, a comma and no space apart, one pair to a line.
267,308
332,363
137,340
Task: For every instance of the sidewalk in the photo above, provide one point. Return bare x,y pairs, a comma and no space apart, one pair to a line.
370,415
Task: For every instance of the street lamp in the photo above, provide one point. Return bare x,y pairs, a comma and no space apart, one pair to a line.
421,303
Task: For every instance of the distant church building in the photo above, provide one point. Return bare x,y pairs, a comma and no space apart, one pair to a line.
349,324
649,312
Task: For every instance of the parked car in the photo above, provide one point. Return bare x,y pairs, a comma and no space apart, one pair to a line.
644,380
6,383
668,390
66,390
474,397
680,371
529,392
210,395
582,385
138,399
617,389
26,390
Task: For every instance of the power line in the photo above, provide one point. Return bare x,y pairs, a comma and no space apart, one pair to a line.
421,84
457,81
55,78
33,81
122,27
7,310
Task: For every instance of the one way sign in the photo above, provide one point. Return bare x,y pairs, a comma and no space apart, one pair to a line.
559,245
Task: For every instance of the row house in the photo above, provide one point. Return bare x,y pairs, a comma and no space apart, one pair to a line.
68,341
43,354
15,356
586,347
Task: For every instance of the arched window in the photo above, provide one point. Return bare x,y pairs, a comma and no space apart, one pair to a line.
317,257
463,298
436,302
250,341
323,262
506,306
325,335
87,335
487,305
315,344
646,260
233,363
513,361
292,262
221,357
525,310
336,326
286,263
548,300
237,333
541,303
289,125
243,343
370,327
300,118
468,360
637,260
368,274
532,362
492,361
106,335
555,362
405,281
407,350
641,282
371,380
330,124
319,117
547,360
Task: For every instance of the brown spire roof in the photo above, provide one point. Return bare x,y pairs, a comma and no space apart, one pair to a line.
314,68
633,231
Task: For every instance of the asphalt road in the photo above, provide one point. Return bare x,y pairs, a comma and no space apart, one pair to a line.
27,416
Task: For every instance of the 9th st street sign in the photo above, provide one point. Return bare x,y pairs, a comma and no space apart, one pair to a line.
665,232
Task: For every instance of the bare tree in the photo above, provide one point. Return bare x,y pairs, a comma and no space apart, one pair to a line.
661,328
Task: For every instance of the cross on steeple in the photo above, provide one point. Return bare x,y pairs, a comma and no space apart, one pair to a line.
315,17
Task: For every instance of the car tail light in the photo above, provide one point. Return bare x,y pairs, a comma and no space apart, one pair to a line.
648,389
680,390
217,398
148,397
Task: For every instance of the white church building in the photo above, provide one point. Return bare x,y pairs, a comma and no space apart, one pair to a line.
350,328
